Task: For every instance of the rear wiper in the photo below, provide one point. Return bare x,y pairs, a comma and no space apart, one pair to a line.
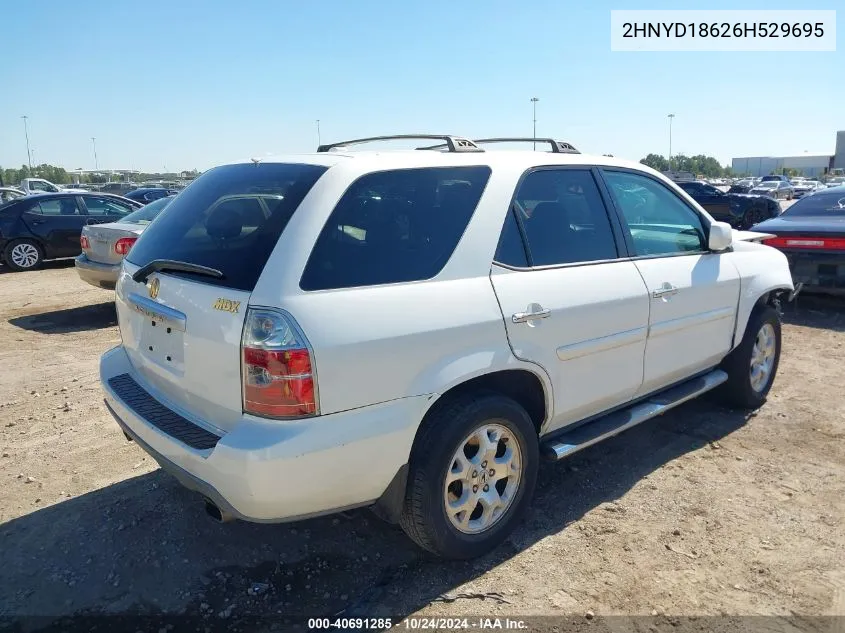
145,271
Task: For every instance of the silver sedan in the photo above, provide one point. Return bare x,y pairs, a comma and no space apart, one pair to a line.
105,245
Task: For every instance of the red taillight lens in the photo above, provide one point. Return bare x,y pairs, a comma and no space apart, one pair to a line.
277,368
122,246
83,241
802,242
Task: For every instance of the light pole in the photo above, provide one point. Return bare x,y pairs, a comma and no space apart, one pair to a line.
318,133
671,116
534,101
96,163
26,133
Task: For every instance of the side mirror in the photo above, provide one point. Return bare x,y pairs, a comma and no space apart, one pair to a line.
721,236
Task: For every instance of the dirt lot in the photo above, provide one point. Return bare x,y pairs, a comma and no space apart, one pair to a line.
702,512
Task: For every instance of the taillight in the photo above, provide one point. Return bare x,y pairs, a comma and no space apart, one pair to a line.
277,367
817,243
83,241
122,246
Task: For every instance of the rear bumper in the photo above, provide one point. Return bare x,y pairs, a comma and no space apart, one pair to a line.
97,274
273,471
819,272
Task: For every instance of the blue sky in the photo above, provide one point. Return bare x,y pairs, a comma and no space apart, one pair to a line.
191,84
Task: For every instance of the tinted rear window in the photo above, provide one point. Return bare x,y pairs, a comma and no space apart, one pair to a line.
147,213
230,218
821,203
394,226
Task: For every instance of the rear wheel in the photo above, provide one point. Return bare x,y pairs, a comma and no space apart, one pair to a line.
21,255
752,366
472,475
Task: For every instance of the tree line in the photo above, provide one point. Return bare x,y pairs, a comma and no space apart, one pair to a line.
699,165
60,176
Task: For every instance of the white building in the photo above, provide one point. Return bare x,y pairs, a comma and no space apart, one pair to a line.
812,165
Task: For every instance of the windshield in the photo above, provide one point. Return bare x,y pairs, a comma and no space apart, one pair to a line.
820,203
147,213
230,219
767,185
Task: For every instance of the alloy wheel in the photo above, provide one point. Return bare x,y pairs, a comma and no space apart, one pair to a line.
483,478
763,357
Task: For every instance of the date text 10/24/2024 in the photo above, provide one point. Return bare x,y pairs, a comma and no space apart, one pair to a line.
417,623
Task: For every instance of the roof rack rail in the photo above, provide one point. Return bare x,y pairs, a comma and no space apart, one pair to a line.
454,143
558,147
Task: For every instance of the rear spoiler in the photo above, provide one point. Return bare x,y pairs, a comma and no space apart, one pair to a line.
751,236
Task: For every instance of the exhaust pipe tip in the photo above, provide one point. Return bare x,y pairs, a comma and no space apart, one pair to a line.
219,515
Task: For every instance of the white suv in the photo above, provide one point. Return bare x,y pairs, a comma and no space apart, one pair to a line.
412,330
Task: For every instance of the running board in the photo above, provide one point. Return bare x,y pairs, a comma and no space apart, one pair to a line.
565,444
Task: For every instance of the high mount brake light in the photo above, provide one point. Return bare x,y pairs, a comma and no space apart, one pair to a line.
277,367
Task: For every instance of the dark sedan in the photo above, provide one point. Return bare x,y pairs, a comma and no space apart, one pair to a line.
48,226
739,210
743,186
812,235
150,194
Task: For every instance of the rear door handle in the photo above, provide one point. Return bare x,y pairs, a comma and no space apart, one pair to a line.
666,290
524,317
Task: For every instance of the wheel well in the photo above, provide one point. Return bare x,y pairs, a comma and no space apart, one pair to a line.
518,384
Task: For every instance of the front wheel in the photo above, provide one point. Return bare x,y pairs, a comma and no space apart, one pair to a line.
472,475
754,216
752,366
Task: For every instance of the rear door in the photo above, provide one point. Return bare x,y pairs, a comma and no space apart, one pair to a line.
182,331
58,222
694,293
570,304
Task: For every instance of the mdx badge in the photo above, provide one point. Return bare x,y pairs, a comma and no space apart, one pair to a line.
227,305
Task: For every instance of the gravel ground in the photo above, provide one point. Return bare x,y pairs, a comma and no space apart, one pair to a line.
701,512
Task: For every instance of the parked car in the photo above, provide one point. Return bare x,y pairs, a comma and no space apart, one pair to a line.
149,194
806,187
836,182
119,188
812,235
739,210
39,185
336,330
776,189
742,186
775,178
10,193
48,226
105,245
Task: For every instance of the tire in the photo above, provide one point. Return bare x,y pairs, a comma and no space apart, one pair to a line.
21,255
741,390
457,426
753,216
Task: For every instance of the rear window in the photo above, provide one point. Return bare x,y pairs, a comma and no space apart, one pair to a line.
821,203
147,213
394,226
230,218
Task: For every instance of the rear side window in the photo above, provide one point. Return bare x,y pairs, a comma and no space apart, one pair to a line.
394,226
230,218
564,218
